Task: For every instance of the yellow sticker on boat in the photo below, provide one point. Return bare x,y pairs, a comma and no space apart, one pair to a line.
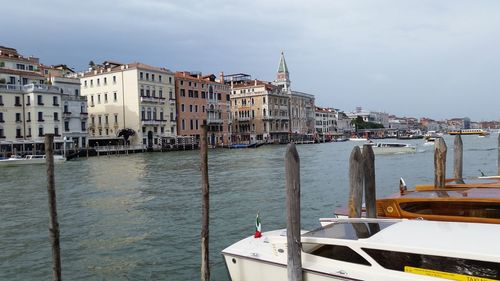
445,275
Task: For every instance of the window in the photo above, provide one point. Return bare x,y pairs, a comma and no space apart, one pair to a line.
99,98
147,76
196,124
159,78
2,134
183,124
66,109
182,107
170,80
56,116
85,83
98,82
12,80
20,66
77,93
141,75
335,252
54,101
114,79
1,100
153,77
183,92
39,100
83,127
25,81
18,133
191,124
56,131
91,83
105,81
40,116
106,119
1,117
105,98
40,131
114,97
18,117
17,101
29,117
196,108
116,118
190,108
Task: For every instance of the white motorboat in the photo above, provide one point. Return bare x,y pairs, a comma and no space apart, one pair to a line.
374,249
29,159
392,148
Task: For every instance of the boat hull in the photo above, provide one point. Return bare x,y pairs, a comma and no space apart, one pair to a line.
29,161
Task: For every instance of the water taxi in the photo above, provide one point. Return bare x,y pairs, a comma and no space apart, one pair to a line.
374,249
15,160
392,148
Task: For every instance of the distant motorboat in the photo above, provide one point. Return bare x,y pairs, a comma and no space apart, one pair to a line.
392,148
358,139
243,145
15,160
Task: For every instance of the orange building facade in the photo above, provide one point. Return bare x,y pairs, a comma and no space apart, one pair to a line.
202,100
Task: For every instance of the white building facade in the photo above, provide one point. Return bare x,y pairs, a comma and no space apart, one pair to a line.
134,97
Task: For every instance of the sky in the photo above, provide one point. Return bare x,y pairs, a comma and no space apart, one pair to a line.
438,59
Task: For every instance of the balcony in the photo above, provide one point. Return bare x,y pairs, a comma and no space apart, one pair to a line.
10,87
18,104
29,120
211,120
243,119
152,99
2,121
84,115
40,103
41,120
153,122
66,115
55,104
2,137
28,103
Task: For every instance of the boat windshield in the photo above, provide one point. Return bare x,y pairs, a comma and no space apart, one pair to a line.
348,230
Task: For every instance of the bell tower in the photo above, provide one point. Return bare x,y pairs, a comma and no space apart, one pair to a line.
282,76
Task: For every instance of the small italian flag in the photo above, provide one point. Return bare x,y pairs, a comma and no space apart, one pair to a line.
258,229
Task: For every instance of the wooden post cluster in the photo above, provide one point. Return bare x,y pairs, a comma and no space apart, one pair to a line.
292,174
205,266
362,178
458,159
53,224
440,150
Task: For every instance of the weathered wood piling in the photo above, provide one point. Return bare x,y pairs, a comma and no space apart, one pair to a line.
499,154
205,265
369,181
440,150
53,223
292,184
458,159
356,180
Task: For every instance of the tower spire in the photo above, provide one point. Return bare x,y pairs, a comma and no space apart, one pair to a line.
282,76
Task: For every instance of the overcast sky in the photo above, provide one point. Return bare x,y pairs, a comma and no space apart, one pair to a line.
424,58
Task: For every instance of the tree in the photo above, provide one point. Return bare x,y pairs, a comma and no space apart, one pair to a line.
91,64
126,133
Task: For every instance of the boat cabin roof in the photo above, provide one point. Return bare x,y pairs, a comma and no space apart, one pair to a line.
472,240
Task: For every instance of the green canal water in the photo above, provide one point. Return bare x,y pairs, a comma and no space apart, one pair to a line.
138,217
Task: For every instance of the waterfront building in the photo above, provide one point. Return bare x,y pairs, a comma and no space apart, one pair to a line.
75,115
370,116
133,99
325,121
28,107
259,109
203,100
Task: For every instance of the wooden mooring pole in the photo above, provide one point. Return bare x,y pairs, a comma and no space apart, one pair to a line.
53,224
369,178
356,178
292,174
458,163
499,154
440,150
205,265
